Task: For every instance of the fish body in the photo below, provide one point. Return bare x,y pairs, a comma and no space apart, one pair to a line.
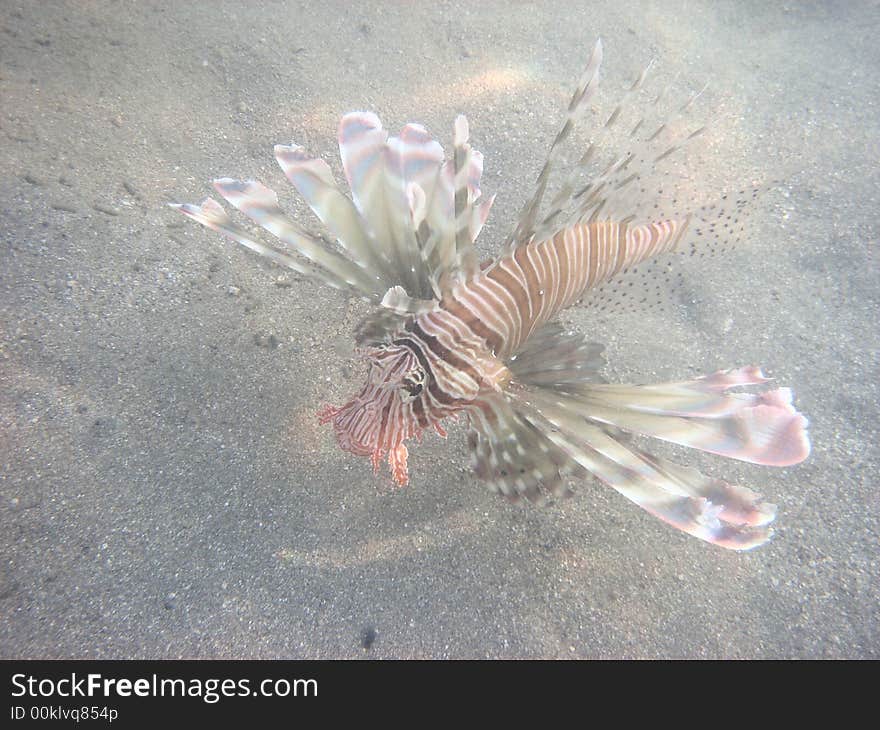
449,337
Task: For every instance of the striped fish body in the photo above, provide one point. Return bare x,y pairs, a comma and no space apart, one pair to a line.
519,293
447,337
453,358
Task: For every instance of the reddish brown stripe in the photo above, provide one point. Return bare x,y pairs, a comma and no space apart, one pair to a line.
457,309
620,261
419,410
592,253
514,287
522,258
443,353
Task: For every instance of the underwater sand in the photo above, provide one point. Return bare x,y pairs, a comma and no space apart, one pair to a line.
165,489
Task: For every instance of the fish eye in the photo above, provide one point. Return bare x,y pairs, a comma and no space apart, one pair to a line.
413,389
413,382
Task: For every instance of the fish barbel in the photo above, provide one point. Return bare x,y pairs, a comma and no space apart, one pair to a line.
450,337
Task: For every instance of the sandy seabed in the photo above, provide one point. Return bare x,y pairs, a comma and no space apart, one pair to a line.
166,490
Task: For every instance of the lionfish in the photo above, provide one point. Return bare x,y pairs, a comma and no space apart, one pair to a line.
450,336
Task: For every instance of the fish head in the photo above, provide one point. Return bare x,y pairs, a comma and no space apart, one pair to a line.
388,409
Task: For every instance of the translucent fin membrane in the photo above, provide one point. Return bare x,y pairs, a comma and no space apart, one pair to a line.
583,421
554,357
712,229
583,94
211,215
515,458
410,224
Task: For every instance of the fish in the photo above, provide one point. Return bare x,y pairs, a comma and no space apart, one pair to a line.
450,336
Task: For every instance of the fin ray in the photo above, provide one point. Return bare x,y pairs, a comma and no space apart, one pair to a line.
680,497
260,204
212,215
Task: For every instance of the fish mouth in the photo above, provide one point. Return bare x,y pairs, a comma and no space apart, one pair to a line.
358,426
361,441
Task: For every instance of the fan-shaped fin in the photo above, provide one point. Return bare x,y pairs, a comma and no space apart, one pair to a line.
512,456
554,357
710,509
761,428
260,204
584,92
582,420
212,215
407,231
375,168
423,214
683,503
314,181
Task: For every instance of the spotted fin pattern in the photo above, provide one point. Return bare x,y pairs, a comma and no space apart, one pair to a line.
514,457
